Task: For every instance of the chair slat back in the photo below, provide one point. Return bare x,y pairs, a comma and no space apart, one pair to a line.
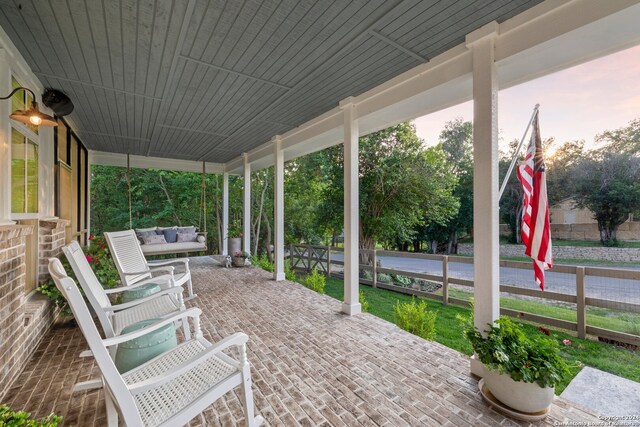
94,291
114,382
127,255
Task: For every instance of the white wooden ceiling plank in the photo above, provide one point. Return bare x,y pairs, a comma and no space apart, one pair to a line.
129,18
81,33
144,35
113,24
96,20
162,17
217,35
15,22
336,33
70,38
206,15
194,98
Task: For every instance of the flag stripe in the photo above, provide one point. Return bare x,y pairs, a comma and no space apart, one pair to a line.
535,228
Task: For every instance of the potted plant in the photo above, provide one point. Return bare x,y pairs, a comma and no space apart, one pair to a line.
234,234
521,370
240,258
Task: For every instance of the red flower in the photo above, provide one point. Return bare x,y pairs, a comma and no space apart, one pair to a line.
89,258
544,330
566,342
526,365
90,236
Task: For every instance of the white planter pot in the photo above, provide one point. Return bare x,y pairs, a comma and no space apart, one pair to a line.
234,244
524,397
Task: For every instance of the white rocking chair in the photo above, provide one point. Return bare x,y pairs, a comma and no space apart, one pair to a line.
134,268
172,388
114,318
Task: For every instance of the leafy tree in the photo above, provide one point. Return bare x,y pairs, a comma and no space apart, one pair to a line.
456,140
401,185
608,184
560,168
623,140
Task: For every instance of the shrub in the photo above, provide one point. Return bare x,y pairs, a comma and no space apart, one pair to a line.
102,265
289,274
263,262
384,278
366,274
314,281
363,302
11,418
414,317
401,280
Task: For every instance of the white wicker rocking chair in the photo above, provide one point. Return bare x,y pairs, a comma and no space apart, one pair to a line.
175,386
134,268
114,318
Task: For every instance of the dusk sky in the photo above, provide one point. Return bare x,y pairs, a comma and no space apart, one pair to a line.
576,103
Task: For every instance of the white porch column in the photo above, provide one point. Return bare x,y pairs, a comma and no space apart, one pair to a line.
5,141
485,178
246,205
225,213
278,208
351,304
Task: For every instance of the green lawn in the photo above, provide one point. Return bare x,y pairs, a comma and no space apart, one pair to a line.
618,361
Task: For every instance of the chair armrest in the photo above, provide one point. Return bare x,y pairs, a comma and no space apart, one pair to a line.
125,305
160,262
130,287
238,339
192,312
168,269
136,273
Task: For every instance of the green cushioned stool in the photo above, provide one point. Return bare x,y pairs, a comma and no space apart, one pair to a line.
135,352
140,292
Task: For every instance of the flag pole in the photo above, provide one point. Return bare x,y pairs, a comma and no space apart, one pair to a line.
515,155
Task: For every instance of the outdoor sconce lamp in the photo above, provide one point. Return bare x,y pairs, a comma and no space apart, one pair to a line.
32,115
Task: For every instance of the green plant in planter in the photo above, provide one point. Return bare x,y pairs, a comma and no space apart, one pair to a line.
11,418
234,230
102,265
506,348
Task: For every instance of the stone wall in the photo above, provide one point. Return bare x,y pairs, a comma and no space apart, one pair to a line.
23,318
570,252
51,240
628,231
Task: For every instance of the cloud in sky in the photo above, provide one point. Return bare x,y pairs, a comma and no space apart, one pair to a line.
576,103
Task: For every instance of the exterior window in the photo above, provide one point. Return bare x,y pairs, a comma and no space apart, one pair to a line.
24,174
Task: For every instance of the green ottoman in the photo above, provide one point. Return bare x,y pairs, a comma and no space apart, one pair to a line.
140,292
135,352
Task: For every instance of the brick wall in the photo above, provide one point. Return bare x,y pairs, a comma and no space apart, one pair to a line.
51,240
24,319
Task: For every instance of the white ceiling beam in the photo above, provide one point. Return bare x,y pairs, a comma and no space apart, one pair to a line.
144,162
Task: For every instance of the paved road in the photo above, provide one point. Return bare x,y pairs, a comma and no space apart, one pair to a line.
596,287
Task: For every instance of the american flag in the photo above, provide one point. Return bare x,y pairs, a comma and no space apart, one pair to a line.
535,231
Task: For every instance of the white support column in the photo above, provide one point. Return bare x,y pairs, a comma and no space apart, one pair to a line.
89,165
351,304
246,205
5,141
485,179
225,213
278,208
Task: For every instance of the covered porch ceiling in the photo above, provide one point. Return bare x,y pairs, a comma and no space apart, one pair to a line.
209,80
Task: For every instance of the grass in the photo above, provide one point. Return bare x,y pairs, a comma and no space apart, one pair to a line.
557,242
618,361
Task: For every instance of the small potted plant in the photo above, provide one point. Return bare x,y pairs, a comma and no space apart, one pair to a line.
240,258
234,234
521,371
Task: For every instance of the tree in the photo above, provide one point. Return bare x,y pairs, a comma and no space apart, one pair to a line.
456,140
560,168
608,184
623,140
402,184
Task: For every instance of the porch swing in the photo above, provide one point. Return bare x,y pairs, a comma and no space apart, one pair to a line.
175,247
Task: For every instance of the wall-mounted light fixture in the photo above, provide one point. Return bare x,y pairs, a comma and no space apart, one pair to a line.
32,115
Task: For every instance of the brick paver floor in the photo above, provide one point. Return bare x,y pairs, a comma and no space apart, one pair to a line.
311,365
